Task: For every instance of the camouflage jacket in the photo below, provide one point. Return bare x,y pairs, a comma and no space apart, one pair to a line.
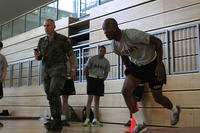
53,53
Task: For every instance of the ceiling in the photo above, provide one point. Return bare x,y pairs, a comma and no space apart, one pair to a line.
10,9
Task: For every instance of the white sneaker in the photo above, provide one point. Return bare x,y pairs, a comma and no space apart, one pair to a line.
96,123
140,128
175,116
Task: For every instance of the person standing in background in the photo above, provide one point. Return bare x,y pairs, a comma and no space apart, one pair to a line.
52,50
96,72
3,73
69,89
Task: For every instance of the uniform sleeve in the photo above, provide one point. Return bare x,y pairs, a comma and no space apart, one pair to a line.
40,49
39,44
3,67
5,62
68,47
89,62
107,67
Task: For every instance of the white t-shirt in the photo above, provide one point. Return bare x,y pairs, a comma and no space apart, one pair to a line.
135,44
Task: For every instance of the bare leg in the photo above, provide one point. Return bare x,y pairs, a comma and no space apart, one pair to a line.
89,102
65,105
130,84
96,107
161,99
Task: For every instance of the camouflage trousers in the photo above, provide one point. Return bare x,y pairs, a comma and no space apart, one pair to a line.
53,87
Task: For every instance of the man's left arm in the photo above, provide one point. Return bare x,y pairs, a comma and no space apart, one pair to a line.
72,61
105,75
107,70
157,45
72,58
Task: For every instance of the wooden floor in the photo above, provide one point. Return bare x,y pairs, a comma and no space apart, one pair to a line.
36,126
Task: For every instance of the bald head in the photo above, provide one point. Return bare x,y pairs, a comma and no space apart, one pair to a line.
110,28
110,21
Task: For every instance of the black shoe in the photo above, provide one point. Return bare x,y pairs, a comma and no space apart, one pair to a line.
175,116
47,124
53,126
128,124
1,124
4,113
65,123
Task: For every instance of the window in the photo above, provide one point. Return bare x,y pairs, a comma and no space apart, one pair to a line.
49,12
19,26
185,49
82,55
6,30
15,77
32,20
67,8
104,1
86,5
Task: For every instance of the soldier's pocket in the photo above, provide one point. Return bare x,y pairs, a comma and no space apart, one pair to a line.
59,70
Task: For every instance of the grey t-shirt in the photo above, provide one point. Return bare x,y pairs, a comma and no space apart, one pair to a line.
3,63
98,66
135,44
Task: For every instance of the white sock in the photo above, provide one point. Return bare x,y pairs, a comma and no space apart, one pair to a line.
139,117
94,119
63,117
87,119
174,108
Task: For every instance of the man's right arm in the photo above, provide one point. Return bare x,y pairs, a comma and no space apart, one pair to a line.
86,71
37,53
126,60
87,65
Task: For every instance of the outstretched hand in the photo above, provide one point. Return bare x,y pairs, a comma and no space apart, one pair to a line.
37,55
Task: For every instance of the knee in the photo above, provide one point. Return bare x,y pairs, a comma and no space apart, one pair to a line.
126,91
123,91
158,98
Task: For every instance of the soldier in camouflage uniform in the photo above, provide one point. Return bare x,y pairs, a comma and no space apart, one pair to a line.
52,50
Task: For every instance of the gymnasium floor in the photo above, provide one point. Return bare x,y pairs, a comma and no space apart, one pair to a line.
36,126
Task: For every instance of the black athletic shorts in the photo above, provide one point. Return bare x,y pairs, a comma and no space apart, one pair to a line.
69,88
147,74
95,86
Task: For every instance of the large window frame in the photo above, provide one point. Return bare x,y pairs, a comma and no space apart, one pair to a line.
77,13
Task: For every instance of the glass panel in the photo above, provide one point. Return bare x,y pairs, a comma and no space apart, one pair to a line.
15,75
185,49
7,81
104,1
7,30
78,73
24,73
49,12
86,5
19,26
67,8
34,72
32,20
